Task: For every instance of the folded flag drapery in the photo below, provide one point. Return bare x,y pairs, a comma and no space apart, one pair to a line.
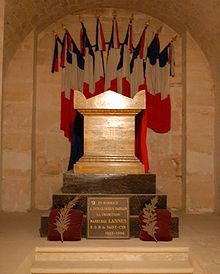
126,70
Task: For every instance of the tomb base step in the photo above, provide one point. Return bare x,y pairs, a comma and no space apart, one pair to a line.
109,183
111,259
99,268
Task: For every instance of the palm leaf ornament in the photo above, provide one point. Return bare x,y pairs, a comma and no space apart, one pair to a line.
62,220
150,218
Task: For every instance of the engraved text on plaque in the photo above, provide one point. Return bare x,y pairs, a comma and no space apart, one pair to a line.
107,217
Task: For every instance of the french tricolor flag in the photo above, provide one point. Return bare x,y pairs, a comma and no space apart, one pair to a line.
89,58
99,71
138,83
159,67
113,58
123,68
136,66
72,67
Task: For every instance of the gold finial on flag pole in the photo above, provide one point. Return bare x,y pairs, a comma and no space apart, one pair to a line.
147,23
160,29
64,27
174,38
81,19
97,14
131,19
114,14
54,33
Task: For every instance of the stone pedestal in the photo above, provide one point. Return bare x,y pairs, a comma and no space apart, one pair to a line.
139,188
109,133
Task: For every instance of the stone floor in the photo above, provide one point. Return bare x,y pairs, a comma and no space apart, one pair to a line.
19,235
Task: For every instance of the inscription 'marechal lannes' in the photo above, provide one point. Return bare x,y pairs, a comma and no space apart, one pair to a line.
109,133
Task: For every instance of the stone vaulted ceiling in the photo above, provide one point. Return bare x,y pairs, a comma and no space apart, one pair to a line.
201,18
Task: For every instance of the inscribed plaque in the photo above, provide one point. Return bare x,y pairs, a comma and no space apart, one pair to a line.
107,217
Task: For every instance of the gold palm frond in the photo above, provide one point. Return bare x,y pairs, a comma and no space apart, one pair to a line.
62,220
150,218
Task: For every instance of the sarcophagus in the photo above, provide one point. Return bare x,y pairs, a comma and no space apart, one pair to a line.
109,133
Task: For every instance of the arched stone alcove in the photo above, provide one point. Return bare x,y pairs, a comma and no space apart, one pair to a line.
34,151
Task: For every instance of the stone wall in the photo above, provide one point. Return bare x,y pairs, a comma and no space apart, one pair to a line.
200,131
52,148
35,152
2,7
2,3
17,130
